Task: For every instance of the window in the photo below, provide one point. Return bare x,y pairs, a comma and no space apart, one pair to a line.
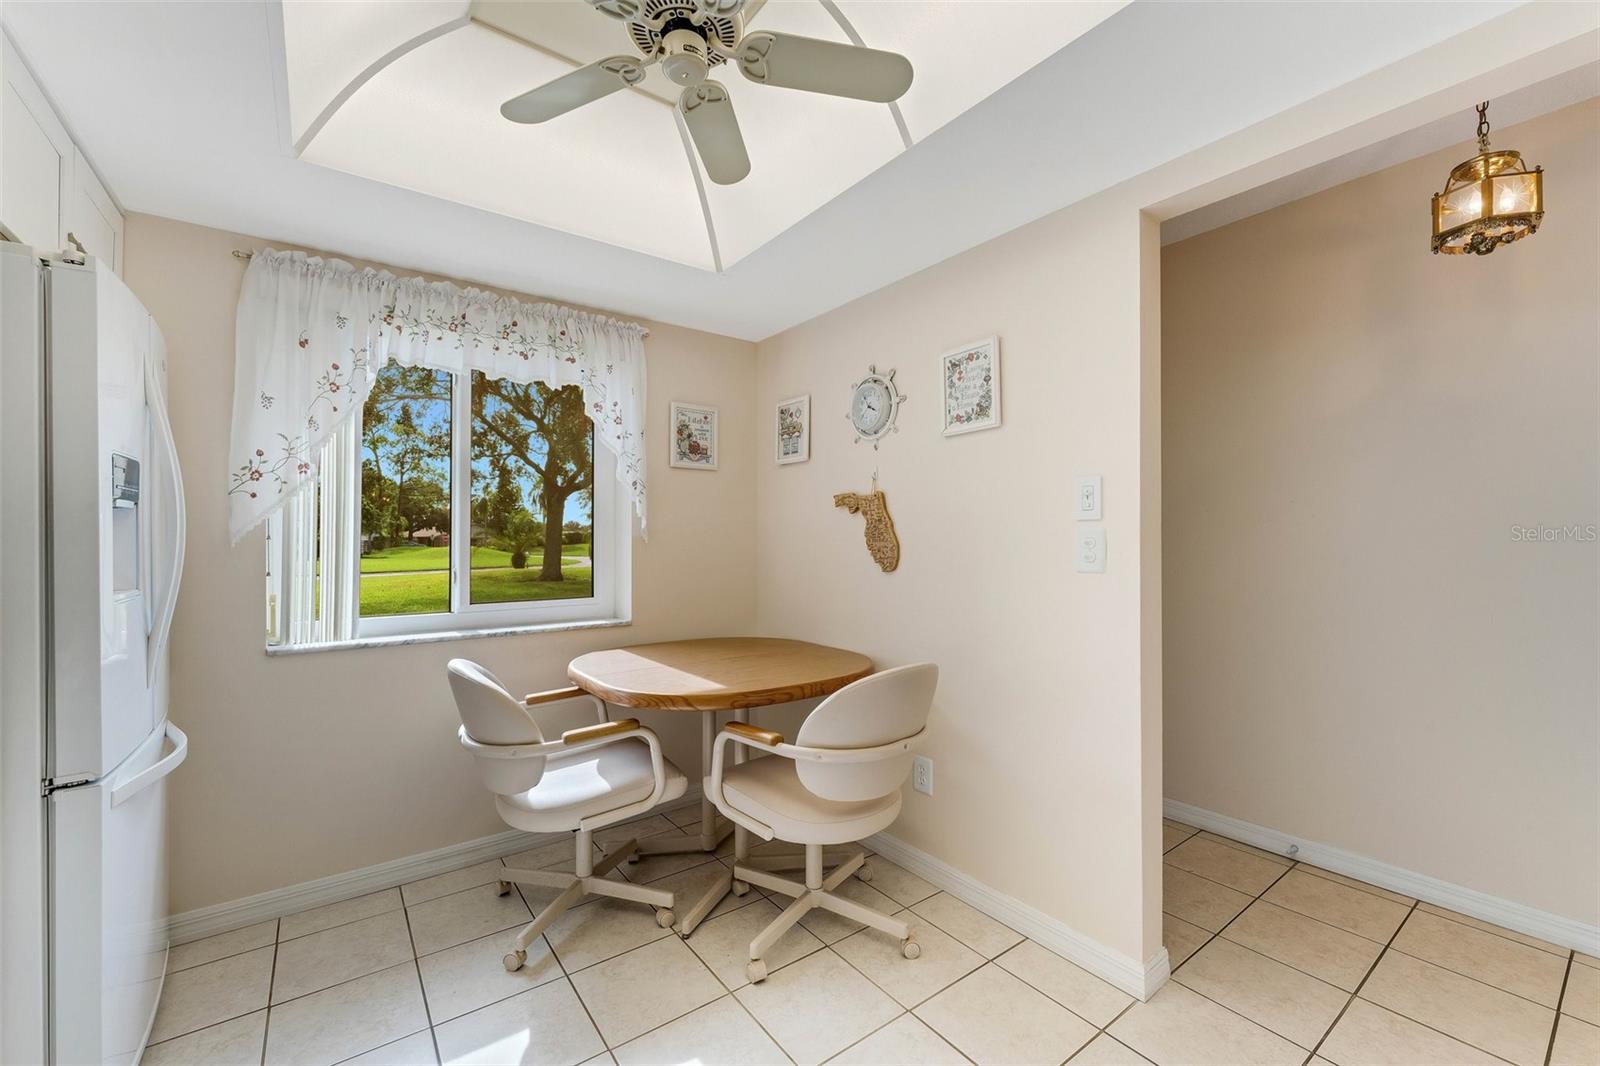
452,504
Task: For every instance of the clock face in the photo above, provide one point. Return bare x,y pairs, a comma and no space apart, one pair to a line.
871,408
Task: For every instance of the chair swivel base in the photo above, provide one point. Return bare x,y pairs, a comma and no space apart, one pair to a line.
574,887
817,892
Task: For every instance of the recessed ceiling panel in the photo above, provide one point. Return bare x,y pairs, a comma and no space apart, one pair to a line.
330,43
614,170
409,93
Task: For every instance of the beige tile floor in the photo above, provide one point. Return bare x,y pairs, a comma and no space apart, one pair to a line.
1273,962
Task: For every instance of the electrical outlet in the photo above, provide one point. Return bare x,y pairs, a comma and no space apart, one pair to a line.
1090,555
922,775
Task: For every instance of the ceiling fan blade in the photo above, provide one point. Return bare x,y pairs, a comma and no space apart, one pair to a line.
584,85
818,66
708,113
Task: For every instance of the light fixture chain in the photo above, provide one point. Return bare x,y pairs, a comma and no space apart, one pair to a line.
1483,126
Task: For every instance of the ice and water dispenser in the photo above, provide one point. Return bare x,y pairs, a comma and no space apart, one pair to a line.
125,553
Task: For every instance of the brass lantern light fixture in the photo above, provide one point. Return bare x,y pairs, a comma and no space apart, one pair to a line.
1490,200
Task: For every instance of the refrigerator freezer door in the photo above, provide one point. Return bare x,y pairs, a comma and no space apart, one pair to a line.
109,897
99,339
22,656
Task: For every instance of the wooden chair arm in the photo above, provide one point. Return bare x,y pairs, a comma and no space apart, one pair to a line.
769,737
595,732
555,695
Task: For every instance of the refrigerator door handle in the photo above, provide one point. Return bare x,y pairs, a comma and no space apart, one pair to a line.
169,599
142,780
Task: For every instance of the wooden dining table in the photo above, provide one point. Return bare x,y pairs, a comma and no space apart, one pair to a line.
708,676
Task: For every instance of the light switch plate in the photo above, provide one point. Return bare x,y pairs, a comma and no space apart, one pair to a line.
1089,552
1086,499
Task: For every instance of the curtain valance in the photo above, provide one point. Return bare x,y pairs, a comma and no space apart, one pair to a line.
312,333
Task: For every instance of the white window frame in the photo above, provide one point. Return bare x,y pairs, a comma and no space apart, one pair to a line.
610,547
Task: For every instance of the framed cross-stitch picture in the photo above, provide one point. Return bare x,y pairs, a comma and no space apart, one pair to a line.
694,436
792,431
971,376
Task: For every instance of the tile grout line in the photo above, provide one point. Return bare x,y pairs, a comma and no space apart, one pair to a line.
1363,983
422,988
1481,981
1053,999
1467,925
1229,1009
1105,1030
726,994
266,1023
1561,998
1256,899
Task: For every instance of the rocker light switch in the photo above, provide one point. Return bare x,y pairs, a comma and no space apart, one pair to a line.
1086,499
1089,552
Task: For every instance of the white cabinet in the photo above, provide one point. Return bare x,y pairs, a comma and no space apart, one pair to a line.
47,188
36,159
90,216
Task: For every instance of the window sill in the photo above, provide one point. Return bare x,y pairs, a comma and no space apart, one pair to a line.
443,635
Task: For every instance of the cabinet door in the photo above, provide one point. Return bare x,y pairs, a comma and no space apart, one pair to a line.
36,160
92,217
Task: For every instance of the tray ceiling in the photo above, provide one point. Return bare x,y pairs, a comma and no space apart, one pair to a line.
408,93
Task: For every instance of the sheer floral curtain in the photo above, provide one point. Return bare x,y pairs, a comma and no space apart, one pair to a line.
312,333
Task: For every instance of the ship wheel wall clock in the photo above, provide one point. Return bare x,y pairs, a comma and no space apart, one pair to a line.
874,406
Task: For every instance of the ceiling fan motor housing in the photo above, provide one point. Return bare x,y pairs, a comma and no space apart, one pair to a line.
685,59
681,38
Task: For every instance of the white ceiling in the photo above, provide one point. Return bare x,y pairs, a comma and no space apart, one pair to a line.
183,110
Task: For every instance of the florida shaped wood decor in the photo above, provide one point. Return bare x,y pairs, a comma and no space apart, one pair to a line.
881,540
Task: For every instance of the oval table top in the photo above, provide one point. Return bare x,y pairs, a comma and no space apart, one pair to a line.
717,673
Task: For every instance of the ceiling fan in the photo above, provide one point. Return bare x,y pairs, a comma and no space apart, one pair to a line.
690,37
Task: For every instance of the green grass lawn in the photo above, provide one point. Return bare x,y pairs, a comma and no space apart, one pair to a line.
408,557
421,593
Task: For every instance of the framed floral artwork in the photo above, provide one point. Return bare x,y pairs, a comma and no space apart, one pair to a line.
694,436
792,440
971,377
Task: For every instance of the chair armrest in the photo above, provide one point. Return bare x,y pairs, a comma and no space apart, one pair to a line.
555,695
745,731
598,732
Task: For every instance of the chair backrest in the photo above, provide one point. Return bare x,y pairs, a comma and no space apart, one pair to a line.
879,709
492,715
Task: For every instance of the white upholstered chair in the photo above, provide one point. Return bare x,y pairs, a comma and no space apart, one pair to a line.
585,779
839,782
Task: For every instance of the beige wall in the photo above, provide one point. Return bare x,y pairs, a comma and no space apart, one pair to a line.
1358,651
1038,733
354,752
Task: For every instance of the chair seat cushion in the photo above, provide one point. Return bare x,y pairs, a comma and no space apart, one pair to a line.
769,790
589,782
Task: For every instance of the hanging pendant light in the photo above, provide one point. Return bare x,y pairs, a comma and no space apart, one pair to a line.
1490,200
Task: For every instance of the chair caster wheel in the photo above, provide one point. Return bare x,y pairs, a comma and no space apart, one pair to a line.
864,873
513,962
505,888
756,970
910,948
665,918
740,888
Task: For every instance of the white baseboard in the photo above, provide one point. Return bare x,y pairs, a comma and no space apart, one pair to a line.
1125,972
290,899
1506,913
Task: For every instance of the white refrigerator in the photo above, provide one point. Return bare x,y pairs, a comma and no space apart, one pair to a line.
91,551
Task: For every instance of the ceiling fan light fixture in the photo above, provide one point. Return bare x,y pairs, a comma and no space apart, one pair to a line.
1490,200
